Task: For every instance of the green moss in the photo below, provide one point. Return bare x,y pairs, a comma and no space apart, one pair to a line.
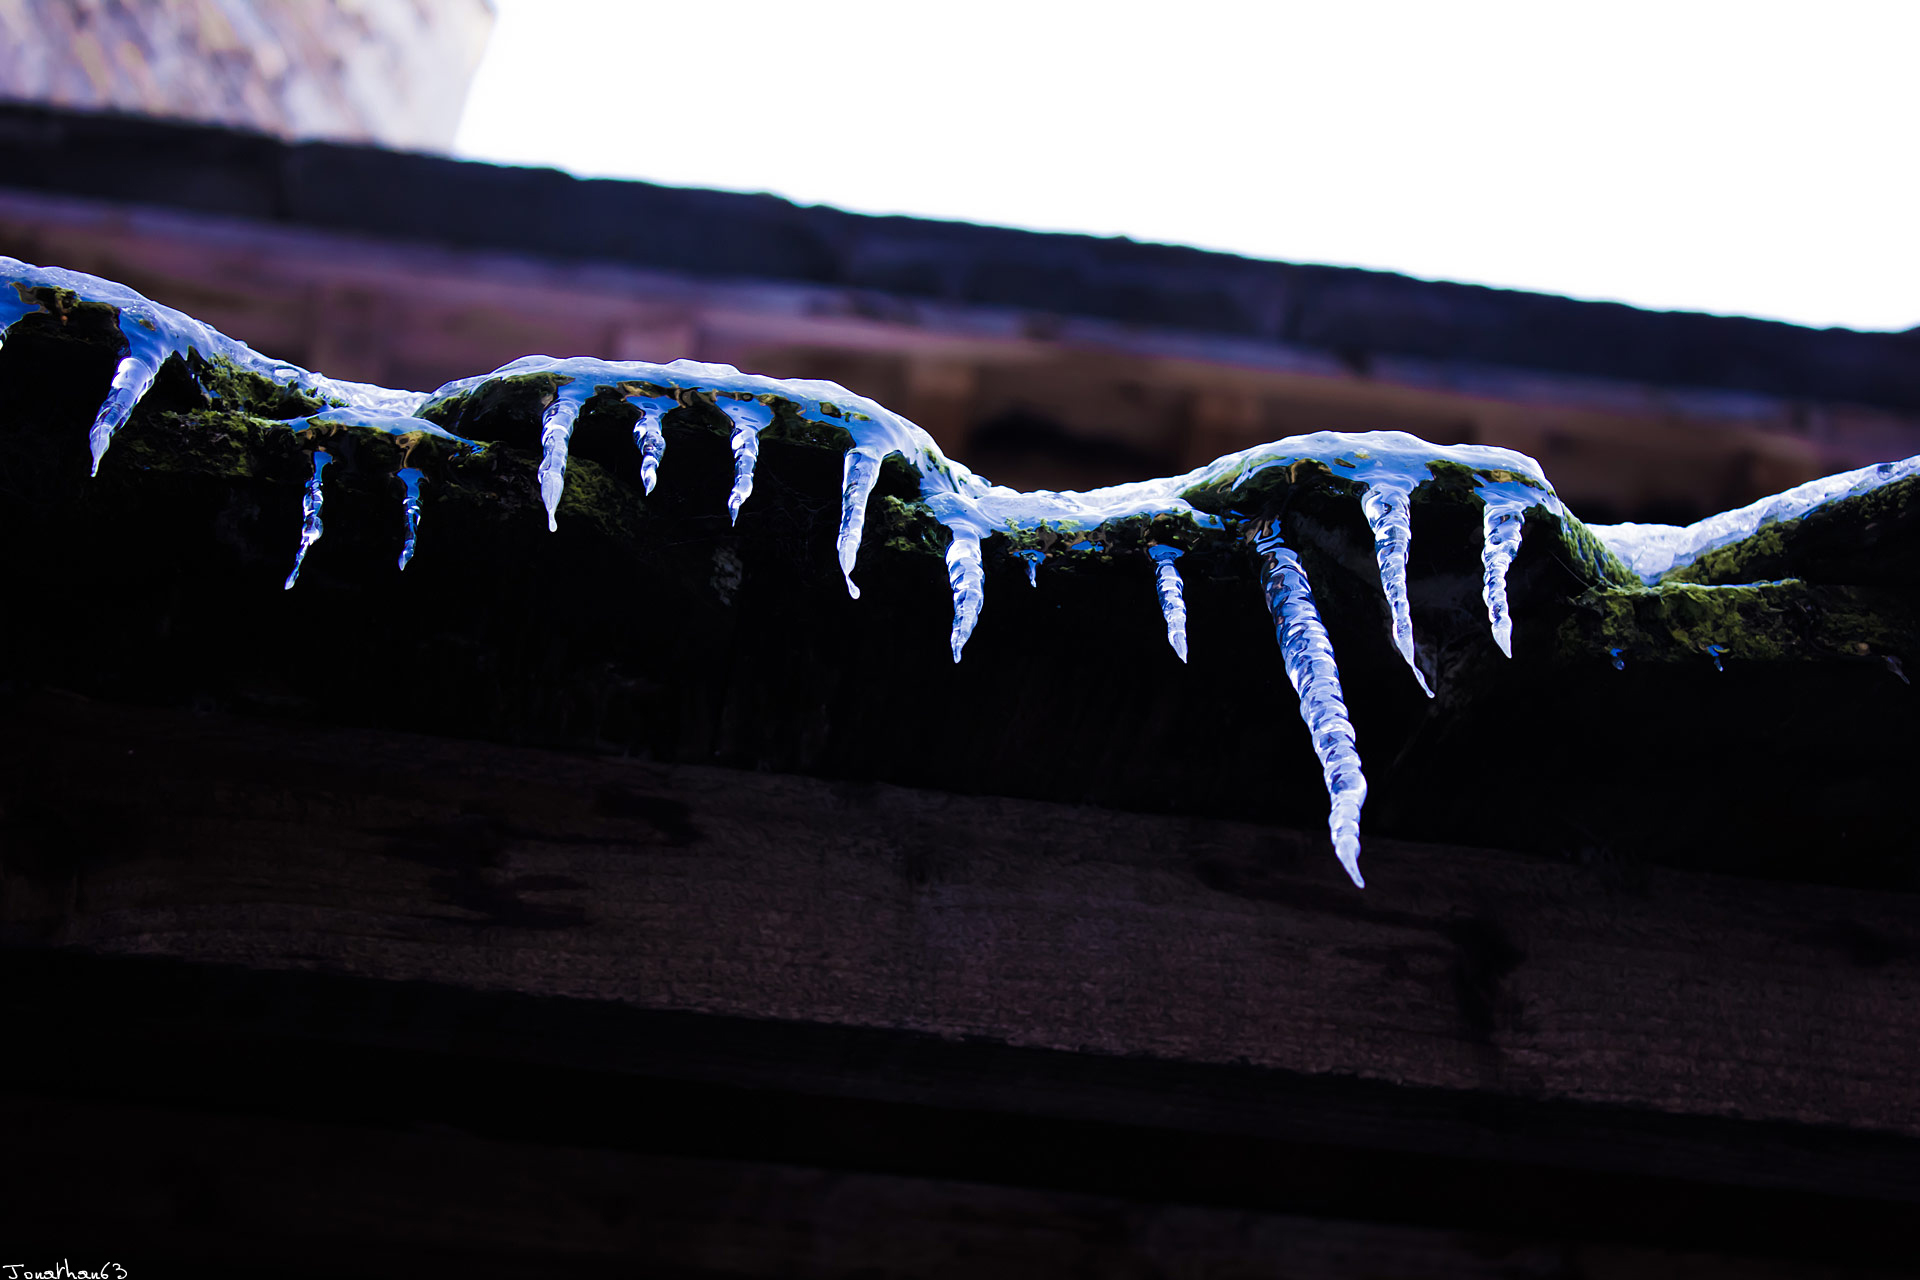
907,528
1590,558
1844,536
1781,621
241,391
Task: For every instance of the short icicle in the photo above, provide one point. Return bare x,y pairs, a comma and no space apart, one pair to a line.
1501,524
968,580
409,478
1033,559
748,417
132,379
647,434
556,433
1307,654
1387,504
309,515
858,476
1173,596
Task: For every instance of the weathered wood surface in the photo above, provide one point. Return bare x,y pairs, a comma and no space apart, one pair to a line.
1029,924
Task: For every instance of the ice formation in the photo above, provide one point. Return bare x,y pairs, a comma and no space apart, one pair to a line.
1388,507
1308,655
410,478
1651,550
1501,521
1383,469
310,503
1173,595
648,436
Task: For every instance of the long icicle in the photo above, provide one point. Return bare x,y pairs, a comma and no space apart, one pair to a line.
409,478
1388,507
556,434
1173,596
858,476
647,434
748,417
1308,656
968,580
132,379
309,515
1501,525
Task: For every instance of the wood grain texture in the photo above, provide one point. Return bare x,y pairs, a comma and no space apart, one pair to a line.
1023,923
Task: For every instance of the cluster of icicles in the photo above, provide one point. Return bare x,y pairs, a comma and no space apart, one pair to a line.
1387,465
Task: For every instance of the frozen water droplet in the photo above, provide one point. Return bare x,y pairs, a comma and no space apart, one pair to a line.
1387,504
1619,662
132,379
1173,598
556,433
647,434
1501,523
968,580
1307,653
410,507
1893,665
748,417
857,478
1714,651
309,515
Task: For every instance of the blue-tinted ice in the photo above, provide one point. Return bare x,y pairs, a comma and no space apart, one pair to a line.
1386,466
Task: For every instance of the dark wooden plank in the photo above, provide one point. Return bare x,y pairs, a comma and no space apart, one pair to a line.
1029,924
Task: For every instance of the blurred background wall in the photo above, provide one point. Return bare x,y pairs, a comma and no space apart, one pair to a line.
393,72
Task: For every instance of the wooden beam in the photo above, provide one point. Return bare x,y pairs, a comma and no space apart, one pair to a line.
1028,924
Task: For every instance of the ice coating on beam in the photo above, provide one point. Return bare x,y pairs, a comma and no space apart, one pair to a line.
1172,593
409,478
1387,505
310,503
1385,467
1652,550
1307,654
749,419
153,333
1502,520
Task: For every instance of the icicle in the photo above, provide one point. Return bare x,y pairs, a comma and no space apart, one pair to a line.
968,579
1308,656
410,507
1173,598
748,417
1501,523
556,433
1387,506
1033,559
1714,651
309,514
132,379
1619,662
858,476
649,437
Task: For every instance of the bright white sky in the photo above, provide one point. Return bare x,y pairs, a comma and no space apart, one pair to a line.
1751,156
